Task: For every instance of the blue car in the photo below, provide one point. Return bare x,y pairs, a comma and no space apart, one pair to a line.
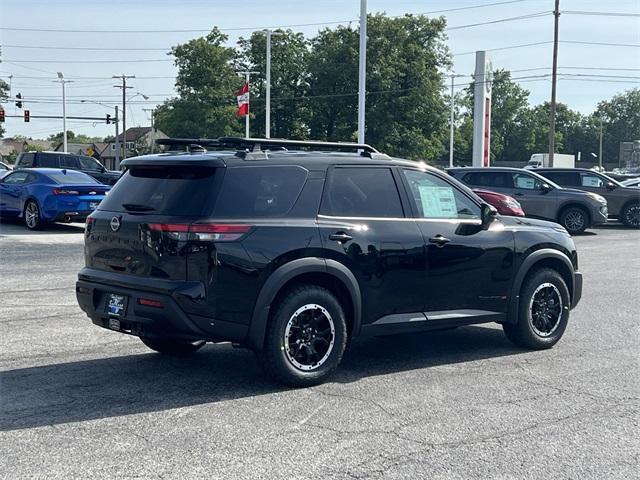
42,195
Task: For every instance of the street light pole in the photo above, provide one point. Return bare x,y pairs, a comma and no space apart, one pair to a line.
600,151
62,81
554,72
451,121
267,117
362,70
117,159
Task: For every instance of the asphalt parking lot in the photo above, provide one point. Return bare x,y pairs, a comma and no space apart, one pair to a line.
81,402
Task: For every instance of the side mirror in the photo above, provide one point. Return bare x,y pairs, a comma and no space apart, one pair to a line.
611,185
487,214
545,187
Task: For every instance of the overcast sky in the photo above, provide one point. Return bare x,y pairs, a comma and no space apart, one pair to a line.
617,68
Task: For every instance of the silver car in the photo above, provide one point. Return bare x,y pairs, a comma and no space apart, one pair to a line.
575,210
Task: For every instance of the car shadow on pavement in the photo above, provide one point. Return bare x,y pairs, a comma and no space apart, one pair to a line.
10,227
110,387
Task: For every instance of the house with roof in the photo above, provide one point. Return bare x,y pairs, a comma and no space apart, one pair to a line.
140,140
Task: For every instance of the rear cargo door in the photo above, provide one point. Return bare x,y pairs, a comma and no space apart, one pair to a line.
142,226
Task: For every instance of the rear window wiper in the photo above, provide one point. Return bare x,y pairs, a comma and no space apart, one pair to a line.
133,207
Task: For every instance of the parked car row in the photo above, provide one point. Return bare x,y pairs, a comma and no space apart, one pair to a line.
576,198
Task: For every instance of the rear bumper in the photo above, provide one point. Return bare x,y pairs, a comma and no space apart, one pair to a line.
93,289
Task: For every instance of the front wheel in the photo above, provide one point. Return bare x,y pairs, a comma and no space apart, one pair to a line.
630,215
543,312
574,219
172,347
32,217
306,337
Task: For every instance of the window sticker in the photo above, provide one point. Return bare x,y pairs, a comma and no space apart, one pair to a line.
524,181
590,181
437,202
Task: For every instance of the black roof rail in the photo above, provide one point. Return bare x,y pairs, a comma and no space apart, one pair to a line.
193,144
265,143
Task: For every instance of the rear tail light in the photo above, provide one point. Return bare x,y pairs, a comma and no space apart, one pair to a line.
62,191
88,223
219,232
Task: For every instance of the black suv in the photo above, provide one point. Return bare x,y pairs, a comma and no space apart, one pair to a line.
88,165
293,253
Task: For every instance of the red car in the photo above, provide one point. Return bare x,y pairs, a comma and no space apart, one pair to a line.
505,204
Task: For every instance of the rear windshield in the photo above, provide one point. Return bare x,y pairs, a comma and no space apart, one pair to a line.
259,192
180,191
71,177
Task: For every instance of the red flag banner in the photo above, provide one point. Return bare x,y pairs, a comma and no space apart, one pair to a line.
243,100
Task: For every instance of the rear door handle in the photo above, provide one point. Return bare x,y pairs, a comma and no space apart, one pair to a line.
439,240
518,194
340,237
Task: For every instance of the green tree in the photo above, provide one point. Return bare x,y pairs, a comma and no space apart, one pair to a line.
406,113
58,138
206,84
621,122
288,83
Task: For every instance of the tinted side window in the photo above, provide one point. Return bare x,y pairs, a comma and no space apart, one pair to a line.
259,192
568,179
46,160
361,192
88,163
69,161
488,179
26,160
436,198
17,178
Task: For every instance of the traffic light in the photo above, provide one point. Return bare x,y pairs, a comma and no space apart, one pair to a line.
26,115
108,119
1,115
18,102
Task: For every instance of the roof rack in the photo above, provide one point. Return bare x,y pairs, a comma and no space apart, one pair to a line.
192,144
255,148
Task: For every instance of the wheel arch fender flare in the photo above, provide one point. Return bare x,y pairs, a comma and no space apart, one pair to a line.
285,273
530,262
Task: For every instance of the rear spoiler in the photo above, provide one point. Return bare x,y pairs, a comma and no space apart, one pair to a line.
162,160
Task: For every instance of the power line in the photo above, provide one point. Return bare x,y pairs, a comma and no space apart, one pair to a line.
273,27
90,61
500,20
636,45
601,14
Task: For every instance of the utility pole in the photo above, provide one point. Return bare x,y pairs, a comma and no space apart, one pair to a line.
153,132
552,116
62,81
362,70
600,151
124,87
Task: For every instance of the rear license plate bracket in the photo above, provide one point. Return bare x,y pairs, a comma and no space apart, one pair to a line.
116,305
